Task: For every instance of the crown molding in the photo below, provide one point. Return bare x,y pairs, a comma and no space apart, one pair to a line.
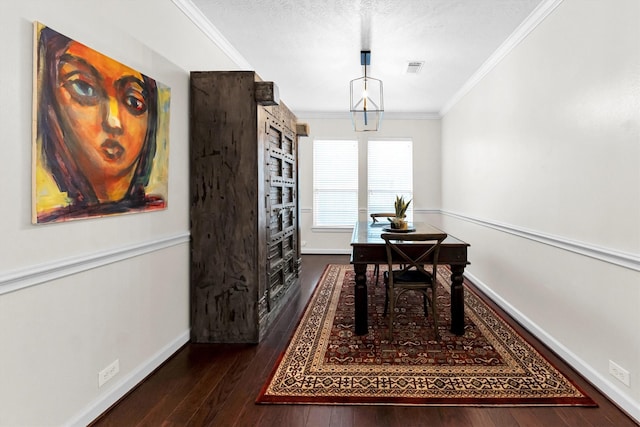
524,29
197,17
527,26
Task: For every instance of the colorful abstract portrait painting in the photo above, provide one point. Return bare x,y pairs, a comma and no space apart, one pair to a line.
101,134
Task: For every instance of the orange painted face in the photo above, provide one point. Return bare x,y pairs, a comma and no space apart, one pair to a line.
103,109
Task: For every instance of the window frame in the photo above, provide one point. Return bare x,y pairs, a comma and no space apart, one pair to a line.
348,163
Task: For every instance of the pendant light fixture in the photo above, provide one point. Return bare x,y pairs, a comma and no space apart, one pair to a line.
367,103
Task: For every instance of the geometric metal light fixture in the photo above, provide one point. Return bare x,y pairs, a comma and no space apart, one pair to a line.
367,104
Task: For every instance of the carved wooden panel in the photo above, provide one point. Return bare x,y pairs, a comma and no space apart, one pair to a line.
281,206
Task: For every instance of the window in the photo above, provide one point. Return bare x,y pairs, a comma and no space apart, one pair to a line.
389,173
335,183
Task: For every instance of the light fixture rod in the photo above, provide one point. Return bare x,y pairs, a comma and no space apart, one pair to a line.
365,57
367,104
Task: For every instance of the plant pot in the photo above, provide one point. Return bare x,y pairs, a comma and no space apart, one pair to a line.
399,224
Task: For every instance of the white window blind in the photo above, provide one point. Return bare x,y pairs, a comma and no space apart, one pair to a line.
390,173
335,183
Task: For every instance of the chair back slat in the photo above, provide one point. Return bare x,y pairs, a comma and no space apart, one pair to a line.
402,249
428,255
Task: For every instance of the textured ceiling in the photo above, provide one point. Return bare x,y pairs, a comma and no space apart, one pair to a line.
311,49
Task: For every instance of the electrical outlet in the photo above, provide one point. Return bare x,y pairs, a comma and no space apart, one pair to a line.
109,372
619,372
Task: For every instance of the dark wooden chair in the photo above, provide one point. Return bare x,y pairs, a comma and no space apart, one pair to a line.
412,275
374,218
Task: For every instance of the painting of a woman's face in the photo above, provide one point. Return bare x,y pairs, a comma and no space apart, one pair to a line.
101,137
103,112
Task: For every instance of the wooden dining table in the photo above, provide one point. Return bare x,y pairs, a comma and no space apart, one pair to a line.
369,248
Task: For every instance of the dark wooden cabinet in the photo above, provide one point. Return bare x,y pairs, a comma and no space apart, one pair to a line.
245,254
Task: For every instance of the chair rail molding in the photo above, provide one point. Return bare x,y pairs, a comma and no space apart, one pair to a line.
41,273
341,115
611,256
619,258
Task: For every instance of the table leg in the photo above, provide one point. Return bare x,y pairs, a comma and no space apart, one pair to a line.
360,300
457,300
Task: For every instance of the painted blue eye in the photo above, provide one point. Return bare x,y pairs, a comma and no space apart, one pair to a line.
83,89
82,92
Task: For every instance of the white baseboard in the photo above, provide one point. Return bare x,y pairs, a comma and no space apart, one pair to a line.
97,407
127,383
326,251
624,402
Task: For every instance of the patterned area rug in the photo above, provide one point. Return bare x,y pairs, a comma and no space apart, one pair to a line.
491,364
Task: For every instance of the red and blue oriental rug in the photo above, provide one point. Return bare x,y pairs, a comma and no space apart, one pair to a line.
491,364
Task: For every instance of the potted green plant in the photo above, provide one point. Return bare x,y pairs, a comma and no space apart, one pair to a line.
401,207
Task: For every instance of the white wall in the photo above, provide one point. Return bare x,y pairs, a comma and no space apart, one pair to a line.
543,155
541,174
425,134
76,296
546,147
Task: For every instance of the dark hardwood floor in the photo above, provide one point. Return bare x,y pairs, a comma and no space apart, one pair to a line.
217,384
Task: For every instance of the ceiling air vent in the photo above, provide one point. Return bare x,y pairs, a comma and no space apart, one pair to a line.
414,67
